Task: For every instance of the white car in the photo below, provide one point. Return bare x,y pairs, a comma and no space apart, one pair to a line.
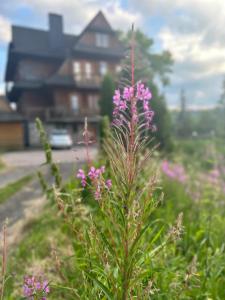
60,139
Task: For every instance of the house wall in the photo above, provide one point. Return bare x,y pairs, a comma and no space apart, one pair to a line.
30,69
11,135
87,101
33,134
4,105
33,103
95,66
89,39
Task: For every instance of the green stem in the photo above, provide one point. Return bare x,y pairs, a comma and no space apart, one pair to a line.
125,270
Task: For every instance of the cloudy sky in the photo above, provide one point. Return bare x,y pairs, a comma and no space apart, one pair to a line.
193,30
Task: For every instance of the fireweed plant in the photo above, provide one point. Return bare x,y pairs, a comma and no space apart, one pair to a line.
121,250
121,239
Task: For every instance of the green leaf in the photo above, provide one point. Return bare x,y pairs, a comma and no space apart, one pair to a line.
104,289
104,239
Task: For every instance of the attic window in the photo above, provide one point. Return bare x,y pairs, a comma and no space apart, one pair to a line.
77,69
103,68
102,40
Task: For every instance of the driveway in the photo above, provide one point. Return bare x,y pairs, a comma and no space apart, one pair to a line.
28,203
22,163
34,158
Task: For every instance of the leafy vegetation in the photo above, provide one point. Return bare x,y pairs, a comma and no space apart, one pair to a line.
12,188
106,94
2,165
193,268
152,68
130,226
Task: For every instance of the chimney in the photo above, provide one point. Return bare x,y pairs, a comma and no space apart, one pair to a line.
55,31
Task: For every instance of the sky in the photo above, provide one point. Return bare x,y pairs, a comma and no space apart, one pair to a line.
192,30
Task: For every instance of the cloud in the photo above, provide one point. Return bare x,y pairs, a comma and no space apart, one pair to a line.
193,31
78,13
196,57
5,33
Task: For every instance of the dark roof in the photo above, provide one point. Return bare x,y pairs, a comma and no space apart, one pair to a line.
10,117
99,52
36,42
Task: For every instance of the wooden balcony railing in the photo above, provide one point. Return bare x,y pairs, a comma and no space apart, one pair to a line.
58,113
82,80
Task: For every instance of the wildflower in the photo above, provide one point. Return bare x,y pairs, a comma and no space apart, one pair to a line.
81,174
128,93
95,175
35,286
175,172
116,98
108,183
142,92
97,193
128,102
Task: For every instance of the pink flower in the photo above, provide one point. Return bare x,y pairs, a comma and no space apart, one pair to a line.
142,92
35,286
116,98
128,93
175,172
123,103
108,183
95,175
82,176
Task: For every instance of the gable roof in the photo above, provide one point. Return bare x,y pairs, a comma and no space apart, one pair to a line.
98,23
36,42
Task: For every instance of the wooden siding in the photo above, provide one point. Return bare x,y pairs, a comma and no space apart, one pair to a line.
30,69
4,105
95,67
11,135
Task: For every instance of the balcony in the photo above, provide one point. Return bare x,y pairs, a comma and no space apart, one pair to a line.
82,81
62,114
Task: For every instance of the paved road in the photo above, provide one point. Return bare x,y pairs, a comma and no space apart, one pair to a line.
27,204
36,157
22,163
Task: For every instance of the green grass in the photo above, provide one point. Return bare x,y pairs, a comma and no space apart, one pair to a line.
12,188
2,165
34,252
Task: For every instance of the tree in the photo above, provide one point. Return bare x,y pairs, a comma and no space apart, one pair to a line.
221,112
183,121
153,69
106,95
222,97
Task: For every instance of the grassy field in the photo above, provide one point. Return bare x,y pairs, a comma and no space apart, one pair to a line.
2,166
64,245
198,258
12,188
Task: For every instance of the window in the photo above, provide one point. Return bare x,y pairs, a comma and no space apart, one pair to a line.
102,40
74,102
118,69
103,68
88,70
77,69
93,103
